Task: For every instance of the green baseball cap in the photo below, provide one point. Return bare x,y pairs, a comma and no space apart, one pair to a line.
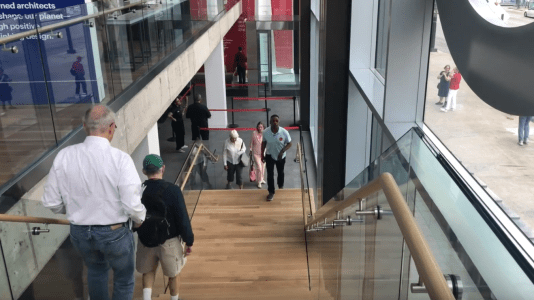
152,162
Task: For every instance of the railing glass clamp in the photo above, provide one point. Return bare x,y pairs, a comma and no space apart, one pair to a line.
12,49
453,281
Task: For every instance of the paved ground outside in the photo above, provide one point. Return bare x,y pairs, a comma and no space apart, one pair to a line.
483,138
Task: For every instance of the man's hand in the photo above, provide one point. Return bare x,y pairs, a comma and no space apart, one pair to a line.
226,168
137,225
188,250
280,155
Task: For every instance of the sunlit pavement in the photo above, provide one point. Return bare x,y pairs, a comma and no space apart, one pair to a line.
485,140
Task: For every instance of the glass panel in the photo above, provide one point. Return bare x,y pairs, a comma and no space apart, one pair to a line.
75,79
375,262
464,233
283,49
26,254
26,126
127,43
382,36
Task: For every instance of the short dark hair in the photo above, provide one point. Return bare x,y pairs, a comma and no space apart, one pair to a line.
275,116
151,170
198,97
240,48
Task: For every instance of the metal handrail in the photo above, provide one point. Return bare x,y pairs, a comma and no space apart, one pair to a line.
191,166
54,26
425,262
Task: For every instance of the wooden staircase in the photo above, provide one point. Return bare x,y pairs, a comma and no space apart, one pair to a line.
245,248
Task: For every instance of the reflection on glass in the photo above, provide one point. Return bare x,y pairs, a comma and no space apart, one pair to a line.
460,239
382,35
26,126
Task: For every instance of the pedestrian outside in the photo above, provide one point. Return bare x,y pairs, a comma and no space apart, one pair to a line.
233,148
171,253
98,188
523,130
256,141
199,115
443,85
454,79
276,141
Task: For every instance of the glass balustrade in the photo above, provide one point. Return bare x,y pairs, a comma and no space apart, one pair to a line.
370,259
97,53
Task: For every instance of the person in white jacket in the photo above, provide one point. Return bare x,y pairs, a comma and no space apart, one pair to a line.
232,150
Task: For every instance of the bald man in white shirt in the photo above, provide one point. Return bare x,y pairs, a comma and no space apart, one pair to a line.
99,189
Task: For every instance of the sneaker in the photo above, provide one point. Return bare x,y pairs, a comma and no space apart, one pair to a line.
281,187
259,185
520,143
270,197
181,151
263,182
229,186
443,109
526,141
184,147
439,103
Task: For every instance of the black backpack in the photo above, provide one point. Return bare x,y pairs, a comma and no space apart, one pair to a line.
155,229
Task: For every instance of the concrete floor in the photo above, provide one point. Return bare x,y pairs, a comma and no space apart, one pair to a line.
483,138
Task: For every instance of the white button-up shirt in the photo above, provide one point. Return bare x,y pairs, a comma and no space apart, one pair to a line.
232,151
94,184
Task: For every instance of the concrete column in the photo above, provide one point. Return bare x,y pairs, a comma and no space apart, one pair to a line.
149,145
215,87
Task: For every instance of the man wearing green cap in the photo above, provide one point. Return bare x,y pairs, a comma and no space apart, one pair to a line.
170,253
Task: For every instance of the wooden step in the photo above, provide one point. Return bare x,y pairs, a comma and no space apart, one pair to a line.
245,248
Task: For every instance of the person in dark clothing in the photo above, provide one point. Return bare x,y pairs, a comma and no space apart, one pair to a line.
170,254
177,123
79,76
5,91
240,65
199,115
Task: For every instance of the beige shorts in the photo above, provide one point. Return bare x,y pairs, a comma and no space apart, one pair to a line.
170,254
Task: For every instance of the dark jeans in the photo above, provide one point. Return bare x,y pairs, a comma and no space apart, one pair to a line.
102,249
80,81
237,169
270,163
196,133
179,132
242,73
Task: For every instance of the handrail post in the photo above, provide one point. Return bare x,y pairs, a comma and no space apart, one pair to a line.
233,125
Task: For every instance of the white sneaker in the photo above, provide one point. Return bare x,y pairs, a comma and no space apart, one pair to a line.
443,109
181,151
520,143
526,141
184,147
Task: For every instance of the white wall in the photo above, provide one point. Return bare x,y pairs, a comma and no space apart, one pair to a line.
149,145
358,127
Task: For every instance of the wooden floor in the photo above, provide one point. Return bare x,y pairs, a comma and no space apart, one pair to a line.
245,248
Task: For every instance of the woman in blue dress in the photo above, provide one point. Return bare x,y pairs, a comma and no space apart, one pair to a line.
443,85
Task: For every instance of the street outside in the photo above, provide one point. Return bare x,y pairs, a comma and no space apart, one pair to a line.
483,138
